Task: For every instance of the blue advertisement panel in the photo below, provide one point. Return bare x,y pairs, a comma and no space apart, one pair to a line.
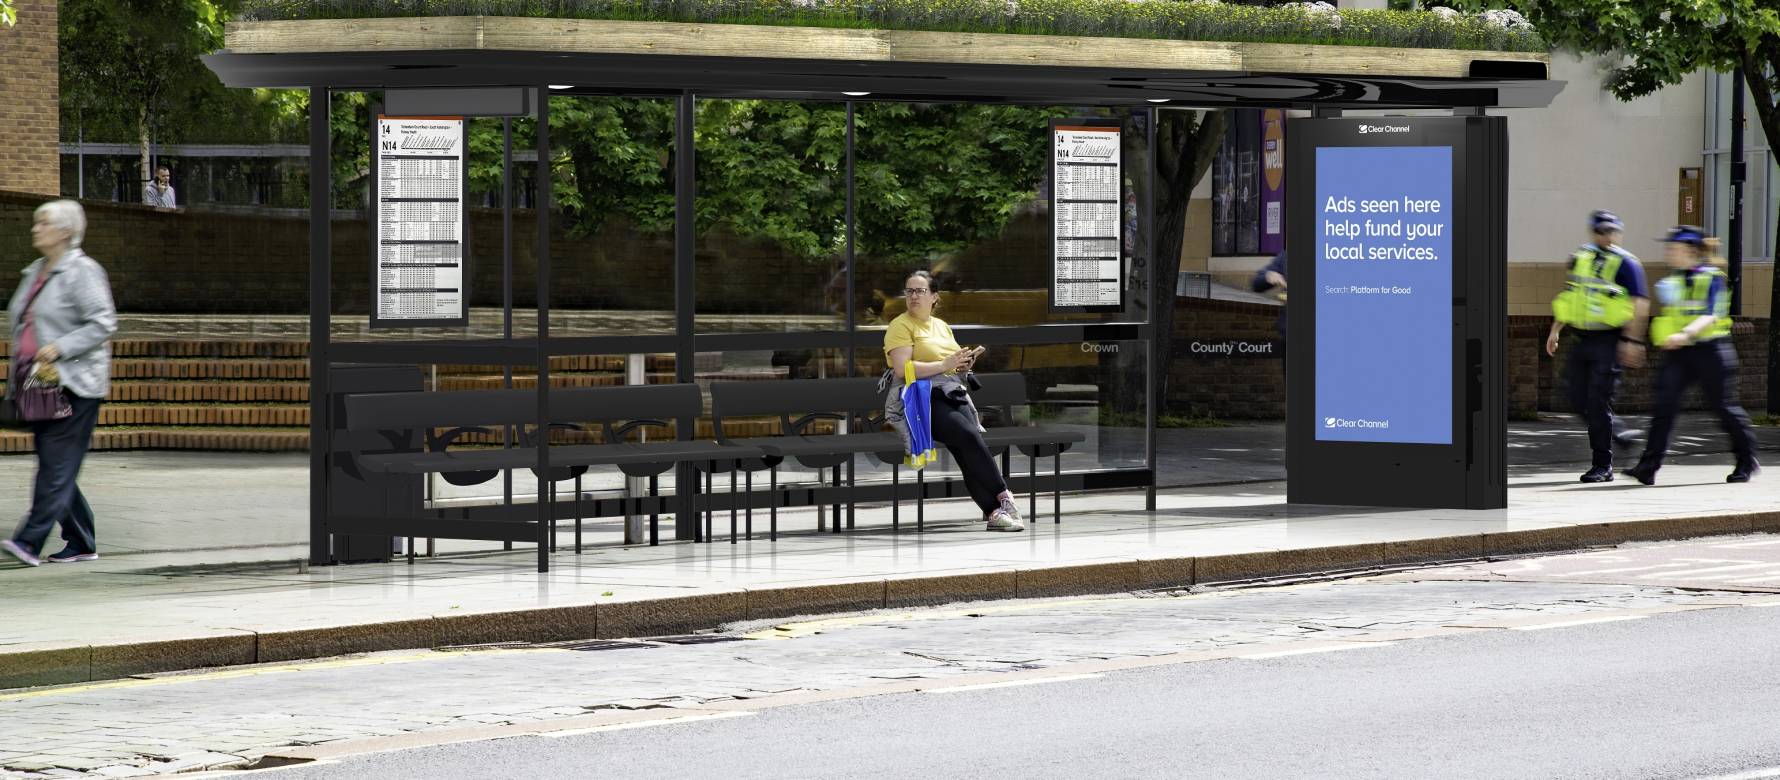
1384,306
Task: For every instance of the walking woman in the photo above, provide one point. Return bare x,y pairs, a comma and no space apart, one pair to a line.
927,340
62,316
1693,329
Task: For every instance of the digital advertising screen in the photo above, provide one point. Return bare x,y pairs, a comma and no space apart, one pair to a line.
1383,227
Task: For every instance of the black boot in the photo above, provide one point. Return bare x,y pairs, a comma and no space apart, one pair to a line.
1746,468
1598,474
1643,472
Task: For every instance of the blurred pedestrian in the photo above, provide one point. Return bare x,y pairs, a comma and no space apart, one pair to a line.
159,192
1605,303
1693,329
62,319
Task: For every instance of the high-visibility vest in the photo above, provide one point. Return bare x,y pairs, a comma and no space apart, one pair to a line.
1683,300
1591,300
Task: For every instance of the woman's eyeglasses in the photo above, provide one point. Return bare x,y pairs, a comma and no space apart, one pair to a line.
911,292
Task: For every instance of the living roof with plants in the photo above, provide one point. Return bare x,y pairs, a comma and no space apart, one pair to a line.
1186,20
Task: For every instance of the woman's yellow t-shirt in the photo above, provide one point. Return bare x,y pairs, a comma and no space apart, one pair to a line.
932,340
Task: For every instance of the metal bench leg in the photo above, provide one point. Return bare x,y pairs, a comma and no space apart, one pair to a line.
836,505
430,550
710,486
920,500
577,515
748,496
654,512
852,486
895,501
410,551
734,467
772,492
553,517
1057,486
1007,469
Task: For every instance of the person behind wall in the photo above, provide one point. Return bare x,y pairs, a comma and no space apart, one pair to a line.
1693,330
1605,303
1271,280
62,316
159,192
918,336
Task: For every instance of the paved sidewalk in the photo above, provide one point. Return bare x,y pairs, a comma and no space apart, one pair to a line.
129,614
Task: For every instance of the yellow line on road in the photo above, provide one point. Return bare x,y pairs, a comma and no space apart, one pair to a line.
255,671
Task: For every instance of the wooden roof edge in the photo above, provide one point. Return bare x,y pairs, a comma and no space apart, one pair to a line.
595,36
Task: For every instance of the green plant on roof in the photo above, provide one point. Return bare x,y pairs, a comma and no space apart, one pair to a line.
1195,20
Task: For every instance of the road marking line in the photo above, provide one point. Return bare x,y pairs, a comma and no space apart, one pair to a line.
1753,774
1012,683
1309,650
255,671
643,724
1710,570
1587,572
1581,622
1741,545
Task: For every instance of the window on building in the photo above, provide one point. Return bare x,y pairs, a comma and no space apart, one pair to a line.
1760,195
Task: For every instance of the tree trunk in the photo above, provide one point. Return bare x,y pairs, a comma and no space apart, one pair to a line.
1187,142
143,136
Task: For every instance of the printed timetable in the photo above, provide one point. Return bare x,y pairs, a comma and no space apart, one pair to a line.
1085,201
420,270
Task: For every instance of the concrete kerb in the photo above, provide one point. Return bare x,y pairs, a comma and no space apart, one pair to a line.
41,666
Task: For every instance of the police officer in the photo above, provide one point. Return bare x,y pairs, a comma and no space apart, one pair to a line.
1693,329
1605,302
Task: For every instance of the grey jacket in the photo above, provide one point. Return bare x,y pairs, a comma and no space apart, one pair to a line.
76,314
953,387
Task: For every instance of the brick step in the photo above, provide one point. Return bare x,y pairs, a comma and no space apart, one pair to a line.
209,391
164,368
702,430
247,416
209,439
196,348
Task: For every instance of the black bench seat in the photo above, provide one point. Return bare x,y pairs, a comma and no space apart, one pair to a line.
635,459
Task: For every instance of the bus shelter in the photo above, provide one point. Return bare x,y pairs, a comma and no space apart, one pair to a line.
514,67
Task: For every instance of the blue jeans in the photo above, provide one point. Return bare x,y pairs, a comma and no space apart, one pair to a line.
55,499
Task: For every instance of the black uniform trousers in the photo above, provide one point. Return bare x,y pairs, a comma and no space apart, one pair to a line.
955,427
55,499
1713,364
1593,376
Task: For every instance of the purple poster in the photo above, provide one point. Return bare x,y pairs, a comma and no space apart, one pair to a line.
1273,181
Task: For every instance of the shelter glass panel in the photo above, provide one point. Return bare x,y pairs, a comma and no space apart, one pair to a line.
771,216
963,191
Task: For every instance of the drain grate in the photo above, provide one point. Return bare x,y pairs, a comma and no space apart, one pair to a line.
695,639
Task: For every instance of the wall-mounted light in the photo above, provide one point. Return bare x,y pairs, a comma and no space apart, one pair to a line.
1157,100
561,86
855,94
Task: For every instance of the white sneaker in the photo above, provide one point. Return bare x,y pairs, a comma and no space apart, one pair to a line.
1002,521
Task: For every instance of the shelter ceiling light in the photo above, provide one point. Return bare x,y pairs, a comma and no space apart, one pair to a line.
1157,100
855,94
561,86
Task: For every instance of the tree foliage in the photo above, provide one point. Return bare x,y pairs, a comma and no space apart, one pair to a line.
1660,42
8,16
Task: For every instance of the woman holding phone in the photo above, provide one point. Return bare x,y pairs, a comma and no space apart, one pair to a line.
918,336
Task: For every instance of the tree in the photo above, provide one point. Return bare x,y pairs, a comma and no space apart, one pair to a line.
134,63
1186,143
1661,42
8,16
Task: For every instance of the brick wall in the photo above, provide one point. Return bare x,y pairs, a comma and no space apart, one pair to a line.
1242,388
30,131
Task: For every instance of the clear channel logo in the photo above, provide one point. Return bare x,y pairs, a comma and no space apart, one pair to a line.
1343,422
1364,129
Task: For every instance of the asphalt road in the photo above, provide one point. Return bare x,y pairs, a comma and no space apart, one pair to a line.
1682,695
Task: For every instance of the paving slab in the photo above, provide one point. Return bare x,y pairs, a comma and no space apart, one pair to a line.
142,611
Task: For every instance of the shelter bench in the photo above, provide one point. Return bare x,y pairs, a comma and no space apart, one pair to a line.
617,411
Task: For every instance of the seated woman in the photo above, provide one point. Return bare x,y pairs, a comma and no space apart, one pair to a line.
927,340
